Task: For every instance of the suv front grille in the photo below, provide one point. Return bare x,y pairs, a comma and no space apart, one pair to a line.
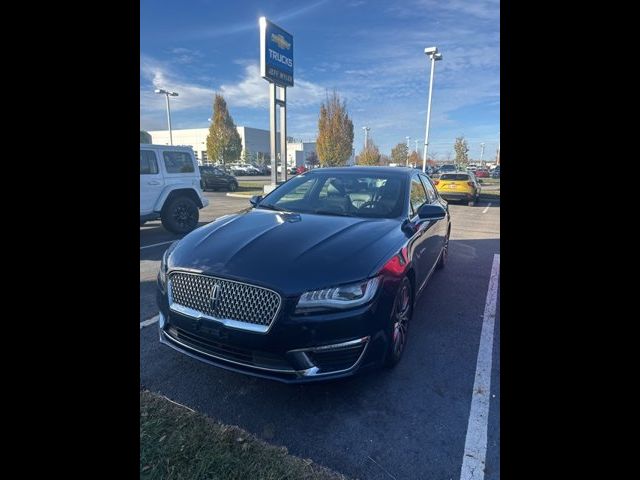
235,304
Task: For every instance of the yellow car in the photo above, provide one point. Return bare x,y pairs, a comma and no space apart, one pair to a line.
458,186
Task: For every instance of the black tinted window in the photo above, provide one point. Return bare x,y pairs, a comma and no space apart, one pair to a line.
454,176
148,164
178,162
418,195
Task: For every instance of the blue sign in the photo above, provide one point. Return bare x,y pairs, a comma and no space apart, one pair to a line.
276,54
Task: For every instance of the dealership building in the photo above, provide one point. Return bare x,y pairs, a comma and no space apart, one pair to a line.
254,140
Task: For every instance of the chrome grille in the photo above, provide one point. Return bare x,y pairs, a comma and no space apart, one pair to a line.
236,304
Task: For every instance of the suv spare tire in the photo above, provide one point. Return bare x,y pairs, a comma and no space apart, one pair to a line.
180,215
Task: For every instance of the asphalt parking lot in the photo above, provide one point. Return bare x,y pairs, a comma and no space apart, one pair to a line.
407,423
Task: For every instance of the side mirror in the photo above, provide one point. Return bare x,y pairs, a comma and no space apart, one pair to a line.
255,200
431,212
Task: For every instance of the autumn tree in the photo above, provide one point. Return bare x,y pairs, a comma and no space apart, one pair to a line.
334,143
223,142
414,159
370,155
400,153
461,148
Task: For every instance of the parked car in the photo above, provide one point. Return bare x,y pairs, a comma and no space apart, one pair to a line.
301,169
459,186
170,187
448,168
361,245
213,178
482,173
496,172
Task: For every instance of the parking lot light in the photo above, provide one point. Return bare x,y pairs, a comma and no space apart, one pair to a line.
167,94
432,53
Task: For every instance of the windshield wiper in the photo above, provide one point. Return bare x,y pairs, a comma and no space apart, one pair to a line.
330,212
268,206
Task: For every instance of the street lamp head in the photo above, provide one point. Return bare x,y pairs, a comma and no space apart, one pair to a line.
173,94
437,56
159,90
430,50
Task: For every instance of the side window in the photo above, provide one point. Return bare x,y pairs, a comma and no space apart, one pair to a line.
148,163
178,162
431,192
418,196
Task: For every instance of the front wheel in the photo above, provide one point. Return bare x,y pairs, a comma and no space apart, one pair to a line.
180,215
400,316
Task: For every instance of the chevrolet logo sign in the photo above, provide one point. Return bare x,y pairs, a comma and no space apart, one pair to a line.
279,39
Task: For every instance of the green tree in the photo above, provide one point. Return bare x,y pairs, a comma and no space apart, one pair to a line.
461,148
400,153
369,155
145,137
223,142
334,143
247,156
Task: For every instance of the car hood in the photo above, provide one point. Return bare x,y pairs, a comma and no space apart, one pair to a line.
289,252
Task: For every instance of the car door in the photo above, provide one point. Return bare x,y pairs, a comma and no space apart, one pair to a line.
151,180
218,177
423,242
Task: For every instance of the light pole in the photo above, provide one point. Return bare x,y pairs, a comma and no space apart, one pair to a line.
417,145
481,154
432,53
167,94
366,133
407,160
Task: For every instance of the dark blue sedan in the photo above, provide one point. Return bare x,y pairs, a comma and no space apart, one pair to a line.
317,280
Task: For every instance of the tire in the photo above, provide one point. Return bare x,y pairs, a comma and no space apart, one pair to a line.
472,203
180,215
444,256
400,317
232,187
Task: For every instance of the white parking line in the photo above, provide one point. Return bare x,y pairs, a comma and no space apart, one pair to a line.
475,445
485,210
151,321
156,244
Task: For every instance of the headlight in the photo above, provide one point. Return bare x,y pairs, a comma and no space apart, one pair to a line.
162,275
344,296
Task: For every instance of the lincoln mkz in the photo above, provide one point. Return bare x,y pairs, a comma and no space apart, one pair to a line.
316,280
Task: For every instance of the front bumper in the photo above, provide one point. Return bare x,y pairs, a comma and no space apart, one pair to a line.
297,348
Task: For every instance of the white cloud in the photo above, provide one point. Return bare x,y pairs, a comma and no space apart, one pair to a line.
253,91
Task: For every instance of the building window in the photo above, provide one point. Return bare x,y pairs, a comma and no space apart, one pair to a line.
204,155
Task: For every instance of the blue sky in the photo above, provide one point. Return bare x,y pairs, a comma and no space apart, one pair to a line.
370,51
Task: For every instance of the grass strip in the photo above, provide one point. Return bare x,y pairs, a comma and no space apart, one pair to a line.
177,443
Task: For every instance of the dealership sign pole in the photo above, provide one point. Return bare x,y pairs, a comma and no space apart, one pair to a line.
276,66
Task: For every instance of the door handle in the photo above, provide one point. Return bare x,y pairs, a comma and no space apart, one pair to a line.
153,182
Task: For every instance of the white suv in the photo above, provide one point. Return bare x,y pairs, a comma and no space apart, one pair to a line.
170,187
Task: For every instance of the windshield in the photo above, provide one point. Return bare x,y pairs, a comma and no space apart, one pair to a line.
455,176
342,194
